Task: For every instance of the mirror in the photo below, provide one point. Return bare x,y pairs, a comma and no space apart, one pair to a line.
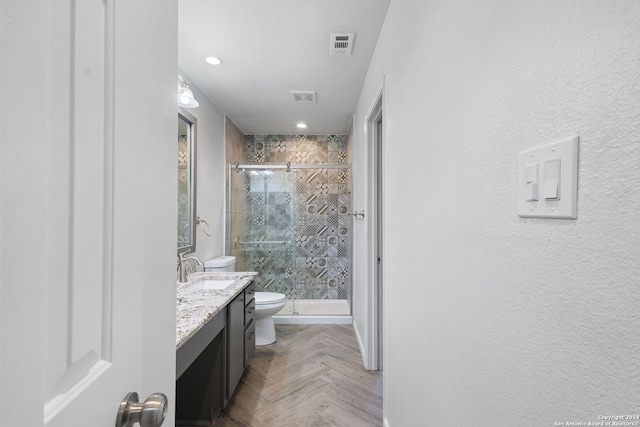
186,181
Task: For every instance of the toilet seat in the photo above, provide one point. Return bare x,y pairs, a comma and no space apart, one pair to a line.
269,297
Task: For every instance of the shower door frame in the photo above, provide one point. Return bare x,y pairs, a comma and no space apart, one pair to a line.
236,167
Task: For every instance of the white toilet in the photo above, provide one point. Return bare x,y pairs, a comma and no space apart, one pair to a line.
221,263
267,303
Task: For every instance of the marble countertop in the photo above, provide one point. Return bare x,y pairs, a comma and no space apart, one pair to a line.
195,307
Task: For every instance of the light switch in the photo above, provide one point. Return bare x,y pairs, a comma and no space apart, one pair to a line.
532,192
531,173
548,180
552,180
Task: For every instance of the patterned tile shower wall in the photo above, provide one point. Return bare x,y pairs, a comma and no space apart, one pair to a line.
316,265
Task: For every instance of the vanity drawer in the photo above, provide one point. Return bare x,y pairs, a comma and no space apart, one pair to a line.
248,312
249,293
249,342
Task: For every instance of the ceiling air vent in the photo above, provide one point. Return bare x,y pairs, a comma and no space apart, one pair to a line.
304,96
341,44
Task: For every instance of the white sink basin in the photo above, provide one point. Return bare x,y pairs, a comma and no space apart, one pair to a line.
212,284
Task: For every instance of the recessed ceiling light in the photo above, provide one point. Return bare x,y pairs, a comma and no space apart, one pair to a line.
301,125
213,60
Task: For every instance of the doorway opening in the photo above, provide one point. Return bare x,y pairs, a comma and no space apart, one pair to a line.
376,259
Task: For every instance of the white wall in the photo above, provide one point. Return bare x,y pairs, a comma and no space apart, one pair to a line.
210,174
490,319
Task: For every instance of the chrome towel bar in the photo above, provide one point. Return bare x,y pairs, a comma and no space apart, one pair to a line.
356,214
263,242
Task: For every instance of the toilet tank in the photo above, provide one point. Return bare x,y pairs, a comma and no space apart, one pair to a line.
221,263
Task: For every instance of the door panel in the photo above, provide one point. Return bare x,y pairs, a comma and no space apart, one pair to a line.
87,255
81,350
80,335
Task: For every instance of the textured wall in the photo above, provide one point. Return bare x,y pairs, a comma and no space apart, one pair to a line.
490,319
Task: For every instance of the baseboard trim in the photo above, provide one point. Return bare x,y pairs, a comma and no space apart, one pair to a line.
363,354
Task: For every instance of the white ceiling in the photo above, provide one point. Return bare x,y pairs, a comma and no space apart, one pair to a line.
272,47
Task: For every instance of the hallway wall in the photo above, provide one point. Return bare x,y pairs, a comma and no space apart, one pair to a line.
491,319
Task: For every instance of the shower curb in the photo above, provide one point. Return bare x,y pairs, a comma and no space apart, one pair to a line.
312,320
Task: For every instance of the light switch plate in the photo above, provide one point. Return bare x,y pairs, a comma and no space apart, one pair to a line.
566,206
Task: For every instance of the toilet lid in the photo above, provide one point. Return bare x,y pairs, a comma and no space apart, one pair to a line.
269,297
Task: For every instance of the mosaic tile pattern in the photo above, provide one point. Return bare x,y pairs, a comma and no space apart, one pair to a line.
306,207
297,149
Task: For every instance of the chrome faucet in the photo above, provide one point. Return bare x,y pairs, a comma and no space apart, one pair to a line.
181,263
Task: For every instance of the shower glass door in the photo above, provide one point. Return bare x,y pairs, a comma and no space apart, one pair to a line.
263,227
292,225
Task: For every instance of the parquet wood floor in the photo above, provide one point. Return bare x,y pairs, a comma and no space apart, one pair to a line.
312,376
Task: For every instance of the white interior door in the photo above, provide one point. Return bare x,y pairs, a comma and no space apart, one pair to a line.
87,209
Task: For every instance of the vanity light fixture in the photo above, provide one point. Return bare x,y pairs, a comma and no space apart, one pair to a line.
301,125
185,96
213,60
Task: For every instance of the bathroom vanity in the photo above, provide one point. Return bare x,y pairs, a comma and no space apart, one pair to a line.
215,340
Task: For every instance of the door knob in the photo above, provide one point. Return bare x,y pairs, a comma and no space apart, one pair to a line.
151,413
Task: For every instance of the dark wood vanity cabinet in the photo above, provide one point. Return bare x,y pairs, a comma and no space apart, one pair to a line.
228,343
249,323
235,338
200,366
241,336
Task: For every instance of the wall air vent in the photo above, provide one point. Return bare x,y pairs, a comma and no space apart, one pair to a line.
341,43
304,96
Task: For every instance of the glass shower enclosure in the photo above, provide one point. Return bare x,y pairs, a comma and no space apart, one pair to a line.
292,225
